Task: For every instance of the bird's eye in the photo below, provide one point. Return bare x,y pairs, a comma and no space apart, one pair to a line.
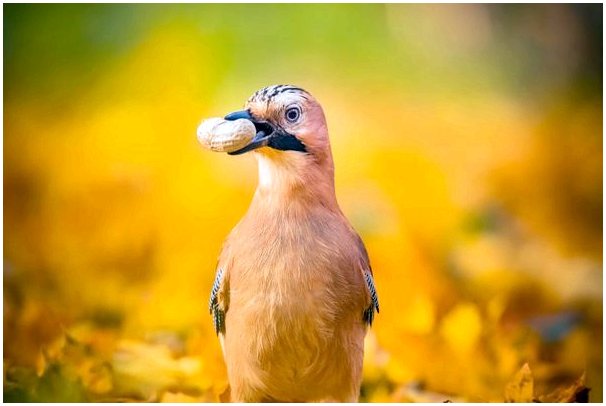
293,114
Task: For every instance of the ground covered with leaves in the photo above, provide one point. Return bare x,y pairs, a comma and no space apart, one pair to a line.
469,160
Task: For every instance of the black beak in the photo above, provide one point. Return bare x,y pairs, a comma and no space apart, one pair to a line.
264,131
267,135
238,115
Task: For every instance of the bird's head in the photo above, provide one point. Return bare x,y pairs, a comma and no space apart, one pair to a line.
291,144
287,119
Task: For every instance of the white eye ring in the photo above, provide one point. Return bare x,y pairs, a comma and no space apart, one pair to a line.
292,114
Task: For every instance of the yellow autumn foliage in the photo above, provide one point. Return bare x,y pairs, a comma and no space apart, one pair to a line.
468,148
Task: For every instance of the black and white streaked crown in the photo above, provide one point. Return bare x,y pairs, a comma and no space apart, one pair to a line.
268,93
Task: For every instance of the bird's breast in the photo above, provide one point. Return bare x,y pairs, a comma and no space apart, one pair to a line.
294,295
294,263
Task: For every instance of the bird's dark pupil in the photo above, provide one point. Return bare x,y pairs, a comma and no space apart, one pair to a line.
292,114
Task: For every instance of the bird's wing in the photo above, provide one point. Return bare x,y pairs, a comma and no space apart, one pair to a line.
217,304
369,312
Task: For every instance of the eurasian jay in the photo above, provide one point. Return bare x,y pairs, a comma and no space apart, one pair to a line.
294,293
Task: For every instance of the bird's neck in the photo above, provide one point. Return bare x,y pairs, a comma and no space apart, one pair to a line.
290,180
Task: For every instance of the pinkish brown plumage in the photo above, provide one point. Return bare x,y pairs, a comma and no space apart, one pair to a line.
294,292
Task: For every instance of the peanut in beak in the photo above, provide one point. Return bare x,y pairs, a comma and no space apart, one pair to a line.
220,135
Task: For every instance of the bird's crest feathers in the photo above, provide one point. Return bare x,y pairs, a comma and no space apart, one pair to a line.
267,94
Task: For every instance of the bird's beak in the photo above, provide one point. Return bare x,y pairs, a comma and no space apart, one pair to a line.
267,135
262,137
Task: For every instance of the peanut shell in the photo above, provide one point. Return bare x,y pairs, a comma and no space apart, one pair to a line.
220,135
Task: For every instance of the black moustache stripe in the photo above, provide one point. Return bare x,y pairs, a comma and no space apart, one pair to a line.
286,142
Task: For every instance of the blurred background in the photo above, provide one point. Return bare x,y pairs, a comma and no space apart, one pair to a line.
468,150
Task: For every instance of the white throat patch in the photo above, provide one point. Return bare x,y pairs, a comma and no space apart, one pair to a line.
280,170
267,171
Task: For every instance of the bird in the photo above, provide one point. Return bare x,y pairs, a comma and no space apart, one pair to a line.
294,293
